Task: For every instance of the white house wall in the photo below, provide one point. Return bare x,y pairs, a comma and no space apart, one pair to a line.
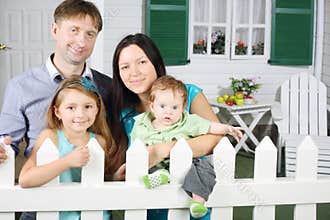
326,48
123,17
326,51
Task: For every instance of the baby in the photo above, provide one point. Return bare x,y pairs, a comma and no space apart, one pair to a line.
168,121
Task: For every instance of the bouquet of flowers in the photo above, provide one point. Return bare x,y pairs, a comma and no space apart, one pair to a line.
244,85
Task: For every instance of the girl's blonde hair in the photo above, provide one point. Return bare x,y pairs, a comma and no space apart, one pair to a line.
168,83
86,87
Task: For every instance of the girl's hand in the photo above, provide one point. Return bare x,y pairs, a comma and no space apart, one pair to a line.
236,132
119,175
79,157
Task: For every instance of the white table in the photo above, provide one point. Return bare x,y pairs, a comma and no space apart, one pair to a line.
256,110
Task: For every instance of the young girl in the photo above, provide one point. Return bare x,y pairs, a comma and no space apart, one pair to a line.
167,121
75,115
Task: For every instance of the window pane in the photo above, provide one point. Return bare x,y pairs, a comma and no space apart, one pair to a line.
241,41
219,11
218,40
258,40
259,8
242,11
201,11
200,40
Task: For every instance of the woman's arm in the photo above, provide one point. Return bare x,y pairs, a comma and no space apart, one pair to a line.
32,175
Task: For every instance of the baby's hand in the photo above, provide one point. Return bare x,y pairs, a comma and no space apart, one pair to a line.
79,157
236,132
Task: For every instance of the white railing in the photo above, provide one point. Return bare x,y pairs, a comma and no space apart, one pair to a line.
263,192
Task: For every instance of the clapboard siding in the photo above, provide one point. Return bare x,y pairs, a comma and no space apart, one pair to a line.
127,16
326,49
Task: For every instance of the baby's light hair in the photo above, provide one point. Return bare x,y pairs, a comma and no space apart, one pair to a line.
168,83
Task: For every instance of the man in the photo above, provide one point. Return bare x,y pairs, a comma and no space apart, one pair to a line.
75,29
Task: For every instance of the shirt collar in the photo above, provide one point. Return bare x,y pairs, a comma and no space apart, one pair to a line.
55,74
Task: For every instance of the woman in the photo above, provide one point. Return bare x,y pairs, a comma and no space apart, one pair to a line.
137,63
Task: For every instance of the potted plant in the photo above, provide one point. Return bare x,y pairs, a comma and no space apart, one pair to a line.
258,49
218,42
199,47
240,48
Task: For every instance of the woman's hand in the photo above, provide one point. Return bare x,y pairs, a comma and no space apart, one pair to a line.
79,157
158,152
119,175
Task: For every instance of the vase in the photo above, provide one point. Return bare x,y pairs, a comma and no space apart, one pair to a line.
239,95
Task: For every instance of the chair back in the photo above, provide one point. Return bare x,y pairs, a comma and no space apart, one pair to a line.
304,106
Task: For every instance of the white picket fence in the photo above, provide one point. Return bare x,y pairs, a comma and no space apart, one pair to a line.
93,195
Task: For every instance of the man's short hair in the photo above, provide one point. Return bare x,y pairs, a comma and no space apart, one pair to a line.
73,8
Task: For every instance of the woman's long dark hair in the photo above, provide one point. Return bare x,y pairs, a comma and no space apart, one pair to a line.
123,97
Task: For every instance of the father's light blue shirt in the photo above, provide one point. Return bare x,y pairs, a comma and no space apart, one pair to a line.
26,102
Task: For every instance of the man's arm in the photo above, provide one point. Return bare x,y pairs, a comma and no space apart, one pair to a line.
12,120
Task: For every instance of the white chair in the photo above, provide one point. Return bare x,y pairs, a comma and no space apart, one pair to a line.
302,111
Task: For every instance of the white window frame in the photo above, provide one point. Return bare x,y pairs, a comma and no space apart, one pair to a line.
230,31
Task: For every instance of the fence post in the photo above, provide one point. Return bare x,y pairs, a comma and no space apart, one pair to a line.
137,160
306,170
7,177
47,153
224,166
93,174
180,163
264,172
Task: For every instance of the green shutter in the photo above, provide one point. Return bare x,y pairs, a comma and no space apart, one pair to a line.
167,25
292,32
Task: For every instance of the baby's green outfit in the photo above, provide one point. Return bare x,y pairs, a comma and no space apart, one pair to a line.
189,126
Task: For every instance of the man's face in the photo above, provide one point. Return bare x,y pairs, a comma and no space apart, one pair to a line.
75,39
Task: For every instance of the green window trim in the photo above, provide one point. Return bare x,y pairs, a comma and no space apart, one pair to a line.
292,32
167,24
